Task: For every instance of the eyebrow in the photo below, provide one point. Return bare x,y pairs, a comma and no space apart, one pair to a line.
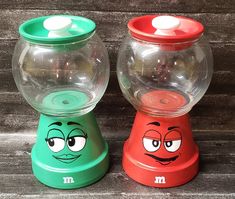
73,123
56,123
154,123
172,127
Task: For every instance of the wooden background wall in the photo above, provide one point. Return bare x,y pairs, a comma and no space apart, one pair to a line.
213,117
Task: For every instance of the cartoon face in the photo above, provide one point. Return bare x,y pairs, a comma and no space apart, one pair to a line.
66,146
165,144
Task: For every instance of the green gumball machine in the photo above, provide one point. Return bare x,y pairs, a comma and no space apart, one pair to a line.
61,67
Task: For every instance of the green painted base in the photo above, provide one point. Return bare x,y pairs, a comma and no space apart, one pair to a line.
69,152
71,178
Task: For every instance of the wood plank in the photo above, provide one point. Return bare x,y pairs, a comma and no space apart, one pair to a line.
216,175
217,153
118,196
120,184
223,55
114,126
213,118
17,178
222,83
215,6
216,100
218,26
19,162
213,112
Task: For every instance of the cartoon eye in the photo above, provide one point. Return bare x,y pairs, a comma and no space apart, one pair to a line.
55,144
151,145
172,145
76,143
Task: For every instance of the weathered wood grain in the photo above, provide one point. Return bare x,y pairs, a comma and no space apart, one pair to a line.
215,111
117,196
211,143
222,82
216,175
19,162
215,6
115,118
215,100
218,26
117,127
213,118
223,53
15,160
120,184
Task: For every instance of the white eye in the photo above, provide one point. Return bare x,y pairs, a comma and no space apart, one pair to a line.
76,143
151,145
172,145
55,144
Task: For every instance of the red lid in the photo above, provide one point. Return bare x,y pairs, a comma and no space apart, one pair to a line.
165,29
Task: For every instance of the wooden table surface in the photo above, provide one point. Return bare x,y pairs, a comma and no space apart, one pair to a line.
213,118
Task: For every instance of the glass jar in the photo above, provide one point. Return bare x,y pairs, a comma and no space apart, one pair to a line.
164,74
61,70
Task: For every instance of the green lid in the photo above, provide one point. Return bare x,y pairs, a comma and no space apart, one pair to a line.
57,29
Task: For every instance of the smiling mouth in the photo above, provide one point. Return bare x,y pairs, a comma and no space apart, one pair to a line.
163,161
67,158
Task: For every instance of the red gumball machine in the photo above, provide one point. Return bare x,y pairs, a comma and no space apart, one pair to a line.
164,68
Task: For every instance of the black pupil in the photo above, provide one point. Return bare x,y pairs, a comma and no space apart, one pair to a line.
51,142
169,143
155,143
71,141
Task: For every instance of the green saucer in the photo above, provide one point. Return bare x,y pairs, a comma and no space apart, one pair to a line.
65,100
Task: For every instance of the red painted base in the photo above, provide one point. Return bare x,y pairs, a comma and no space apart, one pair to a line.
160,152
